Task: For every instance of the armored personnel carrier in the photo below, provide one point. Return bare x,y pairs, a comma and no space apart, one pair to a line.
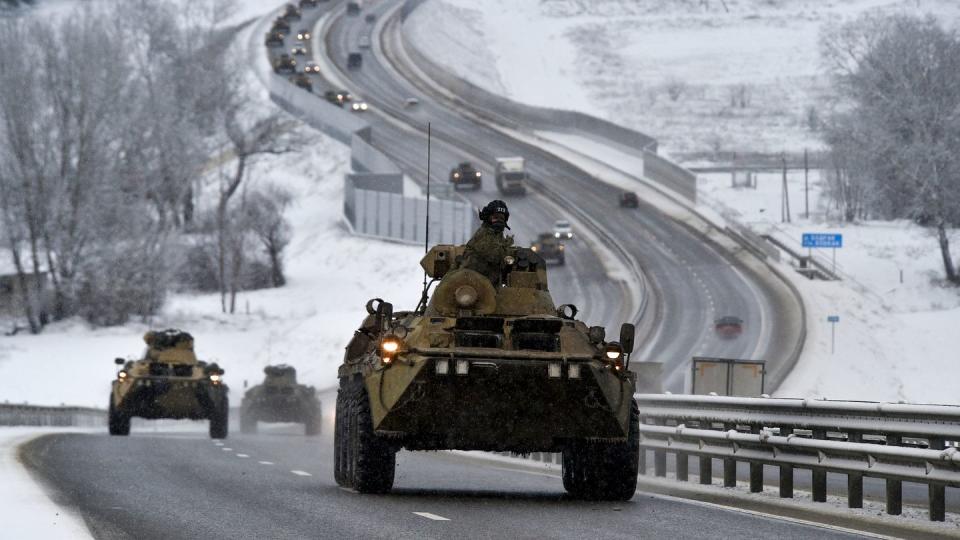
168,382
549,248
488,366
280,399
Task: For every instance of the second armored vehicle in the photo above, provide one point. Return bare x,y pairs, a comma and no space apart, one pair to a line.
550,249
465,174
285,64
168,382
280,399
488,366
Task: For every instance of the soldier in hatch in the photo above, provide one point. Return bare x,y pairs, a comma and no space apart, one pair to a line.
484,252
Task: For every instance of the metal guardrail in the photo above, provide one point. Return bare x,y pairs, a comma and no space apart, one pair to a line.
891,441
38,415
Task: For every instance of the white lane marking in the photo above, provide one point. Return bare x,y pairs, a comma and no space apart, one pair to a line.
218,444
434,517
525,472
242,455
301,473
227,449
265,462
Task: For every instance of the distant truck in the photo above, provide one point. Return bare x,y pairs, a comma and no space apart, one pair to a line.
465,174
511,176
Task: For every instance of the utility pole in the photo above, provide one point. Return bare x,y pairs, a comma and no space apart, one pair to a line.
785,197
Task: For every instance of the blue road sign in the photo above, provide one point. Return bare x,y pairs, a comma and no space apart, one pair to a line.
822,240
833,318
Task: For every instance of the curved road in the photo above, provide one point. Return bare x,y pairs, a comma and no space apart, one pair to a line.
693,280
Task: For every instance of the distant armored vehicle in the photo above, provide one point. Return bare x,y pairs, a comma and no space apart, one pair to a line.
511,176
549,248
281,25
280,399
465,174
291,13
308,3
302,81
338,98
353,8
628,199
274,39
285,64
488,366
168,382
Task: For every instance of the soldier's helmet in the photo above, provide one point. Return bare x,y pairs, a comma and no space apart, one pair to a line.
495,207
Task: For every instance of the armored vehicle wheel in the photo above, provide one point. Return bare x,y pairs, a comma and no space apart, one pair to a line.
117,422
219,419
248,422
340,457
371,461
604,471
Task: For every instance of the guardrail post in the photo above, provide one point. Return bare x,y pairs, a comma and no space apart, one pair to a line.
786,473
756,470
729,465
659,457
894,487
642,465
854,480
683,466
937,492
819,476
706,470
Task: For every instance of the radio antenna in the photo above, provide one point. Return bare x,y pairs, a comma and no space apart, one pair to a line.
426,240
426,236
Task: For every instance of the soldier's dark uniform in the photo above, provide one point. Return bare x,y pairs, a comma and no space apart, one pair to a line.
485,251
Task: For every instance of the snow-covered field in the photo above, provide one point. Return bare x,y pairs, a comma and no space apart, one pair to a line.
697,77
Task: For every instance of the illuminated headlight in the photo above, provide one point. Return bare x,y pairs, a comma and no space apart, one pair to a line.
122,375
556,235
534,248
215,378
614,354
573,371
478,174
443,367
363,106
463,366
553,370
561,247
355,106
390,346
456,175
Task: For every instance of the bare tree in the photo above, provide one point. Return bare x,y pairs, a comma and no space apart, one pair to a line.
265,215
899,126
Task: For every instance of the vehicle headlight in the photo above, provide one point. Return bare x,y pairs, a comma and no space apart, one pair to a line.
478,174
456,175
556,235
122,375
389,348
613,353
534,248
215,378
363,106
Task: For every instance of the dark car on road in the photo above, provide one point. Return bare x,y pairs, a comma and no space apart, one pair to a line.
354,60
728,327
274,39
628,199
308,3
353,8
337,97
292,13
281,25
465,175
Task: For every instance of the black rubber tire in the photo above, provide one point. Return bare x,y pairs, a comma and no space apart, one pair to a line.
604,471
219,420
248,422
340,437
372,461
117,422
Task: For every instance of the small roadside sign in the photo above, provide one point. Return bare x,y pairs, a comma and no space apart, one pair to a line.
833,318
822,240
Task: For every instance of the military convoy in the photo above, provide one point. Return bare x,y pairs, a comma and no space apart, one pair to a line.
280,399
488,366
168,382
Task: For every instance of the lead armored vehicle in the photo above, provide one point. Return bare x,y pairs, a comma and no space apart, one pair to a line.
488,366
280,399
168,382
